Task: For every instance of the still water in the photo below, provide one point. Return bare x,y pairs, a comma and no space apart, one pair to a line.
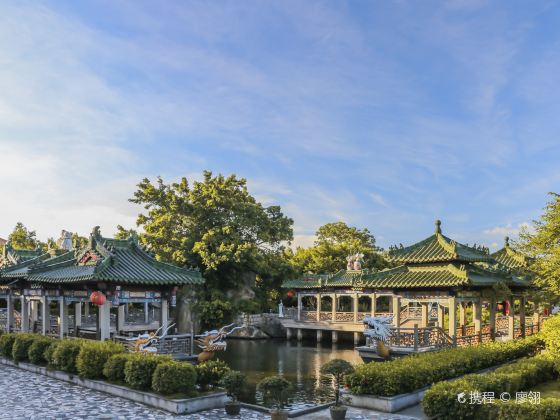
298,362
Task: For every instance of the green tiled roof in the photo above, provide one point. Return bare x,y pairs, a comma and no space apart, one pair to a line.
13,256
437,248
410,277
113,261
510,258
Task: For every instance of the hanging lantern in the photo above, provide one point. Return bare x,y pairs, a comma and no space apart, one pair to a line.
290,293
97,298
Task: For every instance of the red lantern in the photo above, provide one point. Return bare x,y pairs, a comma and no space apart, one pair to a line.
97,298
290,293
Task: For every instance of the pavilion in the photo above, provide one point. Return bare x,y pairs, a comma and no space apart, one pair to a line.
431,285
121,269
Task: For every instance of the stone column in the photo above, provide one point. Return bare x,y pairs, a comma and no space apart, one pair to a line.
522,315
299,334
34,310
511,319
425,314
45,314
62,317
373,304
319,336
24,314
298,307
146,313
477,315
355,306
334,335
77,317
440,315
120,318
318,297
86,310
396,304
452,302
104,321
492,317
462,317
288,333
356,338
10,322
333,308
164,315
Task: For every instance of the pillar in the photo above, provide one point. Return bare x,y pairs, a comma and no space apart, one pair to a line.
299,334
522,315
45,315
104,321
425,314
396,306
77,317
511,319
462,316
356,338
318,297
62,317
9,312
34,311
492,317
24,314
334,335
319,336
477,315
298,307
86,310
440,315
452,303
334,307
355,306
120,318
288,333
164,315
373,304
146,313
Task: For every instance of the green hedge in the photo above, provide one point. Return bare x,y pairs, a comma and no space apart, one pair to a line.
441,400
37,353
93,355
49,354
65,354
139,369
211,373
114,367
20,350
548,409
175,378
550,334
409,373
7,344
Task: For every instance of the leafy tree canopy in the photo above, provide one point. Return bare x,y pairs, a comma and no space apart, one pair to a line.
79,242
123,233
22,238
334,243
543,244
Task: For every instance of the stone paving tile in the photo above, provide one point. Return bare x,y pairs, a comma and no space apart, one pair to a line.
26,395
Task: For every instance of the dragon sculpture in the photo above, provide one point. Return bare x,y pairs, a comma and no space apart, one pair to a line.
147,343
379,329
213,341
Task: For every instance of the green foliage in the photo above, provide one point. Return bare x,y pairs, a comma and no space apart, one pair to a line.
214,311
175,378
335,241
234,382
7,344
337,368
79,242
37,351
21,346
49,354
211,373
114,367
22,238
93,356
123,233
543,244
64,355
275,390
548,409
550,333
441,399
139,369
407,374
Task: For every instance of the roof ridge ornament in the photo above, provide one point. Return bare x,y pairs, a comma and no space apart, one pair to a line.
438,227
506,242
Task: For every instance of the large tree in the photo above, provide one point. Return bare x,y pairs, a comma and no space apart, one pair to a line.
23,238
334,243
214,224
543,244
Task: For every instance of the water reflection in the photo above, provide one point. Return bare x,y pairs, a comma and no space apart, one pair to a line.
299,362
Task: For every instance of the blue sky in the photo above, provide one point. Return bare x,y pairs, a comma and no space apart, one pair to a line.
386,115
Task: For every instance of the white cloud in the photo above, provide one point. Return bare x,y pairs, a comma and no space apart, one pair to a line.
507,230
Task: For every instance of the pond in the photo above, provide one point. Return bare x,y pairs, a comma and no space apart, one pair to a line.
298,362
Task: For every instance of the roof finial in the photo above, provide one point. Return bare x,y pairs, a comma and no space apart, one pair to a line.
506,241
438,226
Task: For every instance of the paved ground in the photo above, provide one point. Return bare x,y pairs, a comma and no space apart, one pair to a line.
25,395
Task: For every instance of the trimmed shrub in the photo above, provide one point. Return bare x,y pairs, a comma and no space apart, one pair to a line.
21,346
114,367
211,373
275,390
139,369
93,355
38,350
49,353
548,409
550,334
441,400
409,373
175,378
65,354
234,382
7,344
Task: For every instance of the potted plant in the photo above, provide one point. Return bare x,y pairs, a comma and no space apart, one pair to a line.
337,369
275,389
233,382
